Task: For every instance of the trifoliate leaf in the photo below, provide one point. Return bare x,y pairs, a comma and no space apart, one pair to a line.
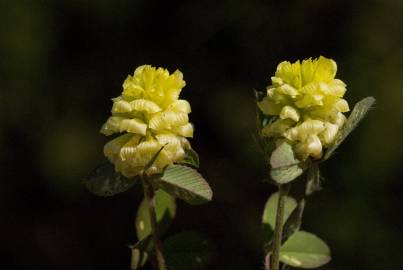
304,250
358,113
185,183
105,181
191,158
165,208
189,251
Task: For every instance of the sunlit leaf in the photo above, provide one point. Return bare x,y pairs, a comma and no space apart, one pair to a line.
360,110
189,251
165,208
304,250
185,183
105,181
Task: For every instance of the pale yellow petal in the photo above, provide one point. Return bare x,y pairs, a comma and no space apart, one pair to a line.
269,107
304,130
185,130
326,69
112,125
342,106
143,105
277,128
289,112
312,146
180,105
329,134
113,147
121,106
133,126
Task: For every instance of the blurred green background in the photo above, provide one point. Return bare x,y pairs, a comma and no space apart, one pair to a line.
61,62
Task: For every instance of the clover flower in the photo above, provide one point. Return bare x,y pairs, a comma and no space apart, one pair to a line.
151,115
307,104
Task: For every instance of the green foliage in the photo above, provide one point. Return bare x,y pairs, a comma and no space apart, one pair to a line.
270,212
304,250
191,158
294,221
105,181
360,110
165,208
185,183
284,166
188,251
312,180
140,253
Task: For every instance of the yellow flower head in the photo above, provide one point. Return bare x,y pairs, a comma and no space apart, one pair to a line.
150,115
307,103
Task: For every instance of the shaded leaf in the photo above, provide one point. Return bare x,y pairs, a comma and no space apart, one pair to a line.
140,252
270,212
185,183
358,113
189,251
191,158
105,181
312,180
294,221
304,250
165,208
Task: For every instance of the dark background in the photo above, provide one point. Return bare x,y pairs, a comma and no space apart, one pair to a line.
62,61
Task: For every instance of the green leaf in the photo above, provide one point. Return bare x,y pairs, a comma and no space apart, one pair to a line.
304,250
189,251
285,175
270,211
294,221
105,181
185,183
313,180
165,208
283,156
284,166
140,253
191,158
360,110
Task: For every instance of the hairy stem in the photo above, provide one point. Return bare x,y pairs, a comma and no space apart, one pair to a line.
278,229
149,195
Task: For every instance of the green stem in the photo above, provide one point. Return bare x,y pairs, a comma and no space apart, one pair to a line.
278,229
149,195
